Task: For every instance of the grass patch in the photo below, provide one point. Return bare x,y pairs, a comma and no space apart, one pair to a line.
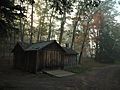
77,69
85,66
117,62
94,64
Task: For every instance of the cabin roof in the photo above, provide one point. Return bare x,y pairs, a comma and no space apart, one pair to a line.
69,50
40,45
23,45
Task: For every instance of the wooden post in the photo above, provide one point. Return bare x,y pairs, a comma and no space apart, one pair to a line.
62,61
37,61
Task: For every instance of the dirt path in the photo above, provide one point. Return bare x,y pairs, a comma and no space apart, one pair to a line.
105,78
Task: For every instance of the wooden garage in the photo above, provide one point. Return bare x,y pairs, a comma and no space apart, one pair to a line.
38,56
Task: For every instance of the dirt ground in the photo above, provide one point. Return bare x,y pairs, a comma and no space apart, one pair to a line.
102,78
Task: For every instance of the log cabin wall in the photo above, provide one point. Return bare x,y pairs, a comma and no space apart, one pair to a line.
70,60
30,61
18,57
51,57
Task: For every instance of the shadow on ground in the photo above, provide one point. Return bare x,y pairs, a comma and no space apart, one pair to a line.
102,78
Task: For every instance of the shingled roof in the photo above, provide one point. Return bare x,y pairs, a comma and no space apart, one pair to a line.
23,45
69,50
40,45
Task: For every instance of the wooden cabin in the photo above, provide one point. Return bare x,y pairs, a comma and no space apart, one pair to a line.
38,56
42,55
70,57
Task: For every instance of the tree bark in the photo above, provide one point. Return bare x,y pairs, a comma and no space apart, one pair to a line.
39,32
83,43
62,27
74,28
49,34
31,29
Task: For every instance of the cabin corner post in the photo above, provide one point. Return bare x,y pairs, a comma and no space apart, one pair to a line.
62,61
76,60
37,61
14,63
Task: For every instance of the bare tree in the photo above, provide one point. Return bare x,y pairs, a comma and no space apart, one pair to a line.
50,24
75,25
84,40
31,29
62,26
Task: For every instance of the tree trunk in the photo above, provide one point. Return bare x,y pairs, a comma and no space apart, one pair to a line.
62,26
39,33
74,28
75,24
83,43
31,29
97,46
20,32
49,34
21,29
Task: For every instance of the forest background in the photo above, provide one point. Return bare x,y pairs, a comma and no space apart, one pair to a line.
90,27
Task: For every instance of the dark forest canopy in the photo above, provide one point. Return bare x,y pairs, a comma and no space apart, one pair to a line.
9,13
60,5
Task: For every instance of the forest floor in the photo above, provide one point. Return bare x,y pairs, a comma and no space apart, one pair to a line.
100,78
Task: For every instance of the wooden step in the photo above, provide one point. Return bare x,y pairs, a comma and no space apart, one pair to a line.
58,73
